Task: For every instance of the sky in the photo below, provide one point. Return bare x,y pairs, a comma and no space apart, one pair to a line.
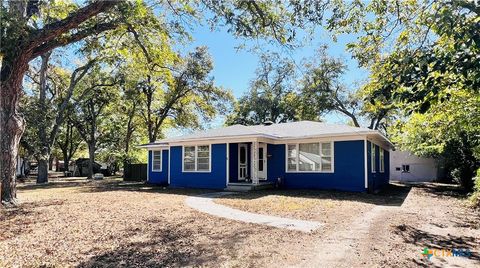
234,68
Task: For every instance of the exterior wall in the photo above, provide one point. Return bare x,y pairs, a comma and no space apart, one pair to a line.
348,175
377,180
215,179
421,169
158,177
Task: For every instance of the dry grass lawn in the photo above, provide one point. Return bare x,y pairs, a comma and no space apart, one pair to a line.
110,223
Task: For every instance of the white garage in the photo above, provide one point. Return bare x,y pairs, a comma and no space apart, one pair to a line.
405,166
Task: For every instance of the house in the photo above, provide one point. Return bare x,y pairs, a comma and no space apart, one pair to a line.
407,167
301,154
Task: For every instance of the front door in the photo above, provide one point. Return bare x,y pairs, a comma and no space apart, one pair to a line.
242,162
262,161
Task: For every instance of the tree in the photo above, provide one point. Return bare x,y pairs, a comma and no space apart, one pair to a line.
23,43
26,35
189,97
69,140
89,106
323,91
423,57
272,95
47,107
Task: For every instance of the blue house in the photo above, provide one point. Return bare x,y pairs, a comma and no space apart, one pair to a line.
305,154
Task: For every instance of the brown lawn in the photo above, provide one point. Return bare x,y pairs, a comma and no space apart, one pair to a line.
74,222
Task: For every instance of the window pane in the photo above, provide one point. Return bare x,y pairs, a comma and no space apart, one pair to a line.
156,160
203,148
203,160
292,166
309,156
203,154
292,150
326,149
243,155
326,163
189,166
203,167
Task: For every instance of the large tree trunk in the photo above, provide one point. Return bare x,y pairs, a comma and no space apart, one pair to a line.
43,159
43,165
12,123
91,159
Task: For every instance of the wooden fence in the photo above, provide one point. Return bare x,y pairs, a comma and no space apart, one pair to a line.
135,172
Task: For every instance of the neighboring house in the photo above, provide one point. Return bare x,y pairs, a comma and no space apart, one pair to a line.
303,154
405,166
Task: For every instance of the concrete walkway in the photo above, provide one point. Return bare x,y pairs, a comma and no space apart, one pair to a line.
204,203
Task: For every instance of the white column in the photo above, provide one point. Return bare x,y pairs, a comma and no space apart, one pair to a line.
228,163
255,162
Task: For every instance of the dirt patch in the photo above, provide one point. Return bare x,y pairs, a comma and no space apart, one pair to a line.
111,223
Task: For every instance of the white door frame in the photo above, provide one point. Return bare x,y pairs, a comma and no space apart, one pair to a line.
262,175
244,165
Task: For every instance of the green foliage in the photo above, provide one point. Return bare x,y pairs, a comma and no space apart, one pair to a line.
475,196
272,95
430,75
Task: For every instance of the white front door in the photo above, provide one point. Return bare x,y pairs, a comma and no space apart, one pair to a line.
262,161
242,162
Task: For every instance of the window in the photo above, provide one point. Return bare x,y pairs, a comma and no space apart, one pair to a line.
196,158
156,160
310,157
372,153
406,168
382,160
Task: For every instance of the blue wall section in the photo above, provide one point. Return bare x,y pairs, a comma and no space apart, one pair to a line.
349,172
275,162
157,177
377,180
215,179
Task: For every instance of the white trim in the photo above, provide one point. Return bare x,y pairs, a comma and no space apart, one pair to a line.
381,160
196,159
265,159
238,160
228,163
332,149
366,161
277,140
148,163
161,160
169,160
373,154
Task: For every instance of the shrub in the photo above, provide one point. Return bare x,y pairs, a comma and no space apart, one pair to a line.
475,197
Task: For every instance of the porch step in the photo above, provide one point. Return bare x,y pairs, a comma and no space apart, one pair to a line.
243,187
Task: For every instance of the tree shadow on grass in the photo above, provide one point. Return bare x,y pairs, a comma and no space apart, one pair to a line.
443,190
422,239
392,195
172,245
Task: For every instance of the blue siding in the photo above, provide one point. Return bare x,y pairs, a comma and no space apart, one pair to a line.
215,179
377,180
233,161
275,162
157,177
349,169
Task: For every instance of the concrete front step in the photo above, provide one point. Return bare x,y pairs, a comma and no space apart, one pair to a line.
243,187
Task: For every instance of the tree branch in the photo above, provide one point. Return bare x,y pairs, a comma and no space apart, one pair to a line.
55,29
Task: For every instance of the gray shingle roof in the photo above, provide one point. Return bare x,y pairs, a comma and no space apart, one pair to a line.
292,130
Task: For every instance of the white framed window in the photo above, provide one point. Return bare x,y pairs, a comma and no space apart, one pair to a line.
309,157
157,161
372,160
196,158
381,155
